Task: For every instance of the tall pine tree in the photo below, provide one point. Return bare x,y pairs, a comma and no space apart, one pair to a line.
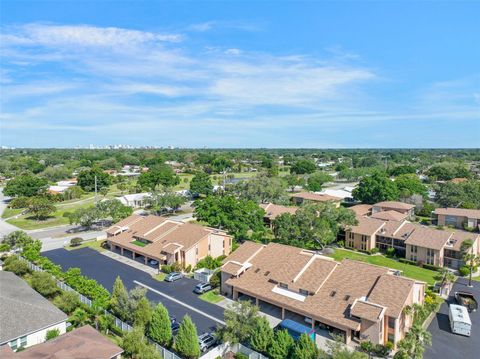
261,336
143,313
305,348
160,328
119,299
186,342
281,345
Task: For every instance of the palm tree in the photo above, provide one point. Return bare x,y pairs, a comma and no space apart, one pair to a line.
415,341
472,261
79,317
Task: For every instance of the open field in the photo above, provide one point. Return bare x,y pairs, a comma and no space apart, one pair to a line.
408,270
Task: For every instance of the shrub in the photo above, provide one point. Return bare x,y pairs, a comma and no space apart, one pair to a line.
426,222
373,250
67,301
166,268
241,356
15,265
215,279
464,271
76,241
5,247
407,261
44,284
390,252
432,267
189,268
19,202
52,333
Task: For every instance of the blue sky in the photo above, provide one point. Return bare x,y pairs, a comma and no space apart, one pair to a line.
240,74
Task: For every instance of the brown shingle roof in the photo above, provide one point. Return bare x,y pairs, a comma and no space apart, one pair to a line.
272,211
367,226
335,286
245,251
394,205
460,212
361,209
124,223
84,343
366,310
392,292
428,237
389,215
317,197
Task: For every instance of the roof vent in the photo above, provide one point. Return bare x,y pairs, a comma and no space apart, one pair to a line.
267,273
347,297
257,270
332,294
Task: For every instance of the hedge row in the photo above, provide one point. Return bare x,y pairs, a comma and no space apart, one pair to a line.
73,277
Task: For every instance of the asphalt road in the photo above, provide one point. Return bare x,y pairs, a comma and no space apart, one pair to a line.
445,344
105,270
5,228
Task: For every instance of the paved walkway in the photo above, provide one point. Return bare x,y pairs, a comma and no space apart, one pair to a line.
131,262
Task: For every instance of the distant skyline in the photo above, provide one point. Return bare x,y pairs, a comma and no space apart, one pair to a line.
239,74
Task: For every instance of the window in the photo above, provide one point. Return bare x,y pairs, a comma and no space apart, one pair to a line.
391,323
413,249
13,344
413,258
450,220
391,338
283,285
23,341
196,251
303,291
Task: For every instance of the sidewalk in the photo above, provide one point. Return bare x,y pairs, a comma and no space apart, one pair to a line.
130,262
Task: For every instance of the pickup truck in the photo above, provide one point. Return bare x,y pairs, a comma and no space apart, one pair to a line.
467,300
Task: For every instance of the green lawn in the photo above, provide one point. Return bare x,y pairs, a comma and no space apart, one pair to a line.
409,270
160,276
211,297
139,243
96,245
9,212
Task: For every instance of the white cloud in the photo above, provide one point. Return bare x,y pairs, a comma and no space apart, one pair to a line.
82,35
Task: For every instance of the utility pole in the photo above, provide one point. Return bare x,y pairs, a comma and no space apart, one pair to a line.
95,200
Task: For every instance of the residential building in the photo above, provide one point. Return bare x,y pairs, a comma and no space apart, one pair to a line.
272,211
135,200
457,217
345,193
311,197
62,186
356,300
84,342
167,241
412,241
25,315
401,207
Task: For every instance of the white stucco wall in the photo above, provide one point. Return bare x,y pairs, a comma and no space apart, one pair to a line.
39,336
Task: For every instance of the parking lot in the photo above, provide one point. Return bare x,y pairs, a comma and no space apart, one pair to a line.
447,345
178,297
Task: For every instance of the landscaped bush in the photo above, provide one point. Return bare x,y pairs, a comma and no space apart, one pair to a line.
404,260
432,267
76,241
390,252
215,279
67,301
373,250
464,271
241,356
189,268
45,284
15,265
5,247
53,333
19,202
166,268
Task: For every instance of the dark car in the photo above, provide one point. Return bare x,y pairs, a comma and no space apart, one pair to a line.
202,288
467,300
206,341
175,327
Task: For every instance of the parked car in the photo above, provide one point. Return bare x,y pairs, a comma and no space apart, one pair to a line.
153,262
206,341
202,288
172,277
175,327
172,318
467,300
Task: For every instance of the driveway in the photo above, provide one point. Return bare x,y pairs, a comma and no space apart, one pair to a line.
447,345
5,228
177,297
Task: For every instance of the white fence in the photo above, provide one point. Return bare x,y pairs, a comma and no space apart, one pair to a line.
218,351
203,274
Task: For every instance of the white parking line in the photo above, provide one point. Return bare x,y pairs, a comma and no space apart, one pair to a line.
180,302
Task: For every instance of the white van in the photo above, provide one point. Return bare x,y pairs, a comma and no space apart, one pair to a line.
459,320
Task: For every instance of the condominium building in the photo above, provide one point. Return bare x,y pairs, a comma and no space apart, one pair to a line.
413,241
167,241
312,197
458,217
272,211
353,299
